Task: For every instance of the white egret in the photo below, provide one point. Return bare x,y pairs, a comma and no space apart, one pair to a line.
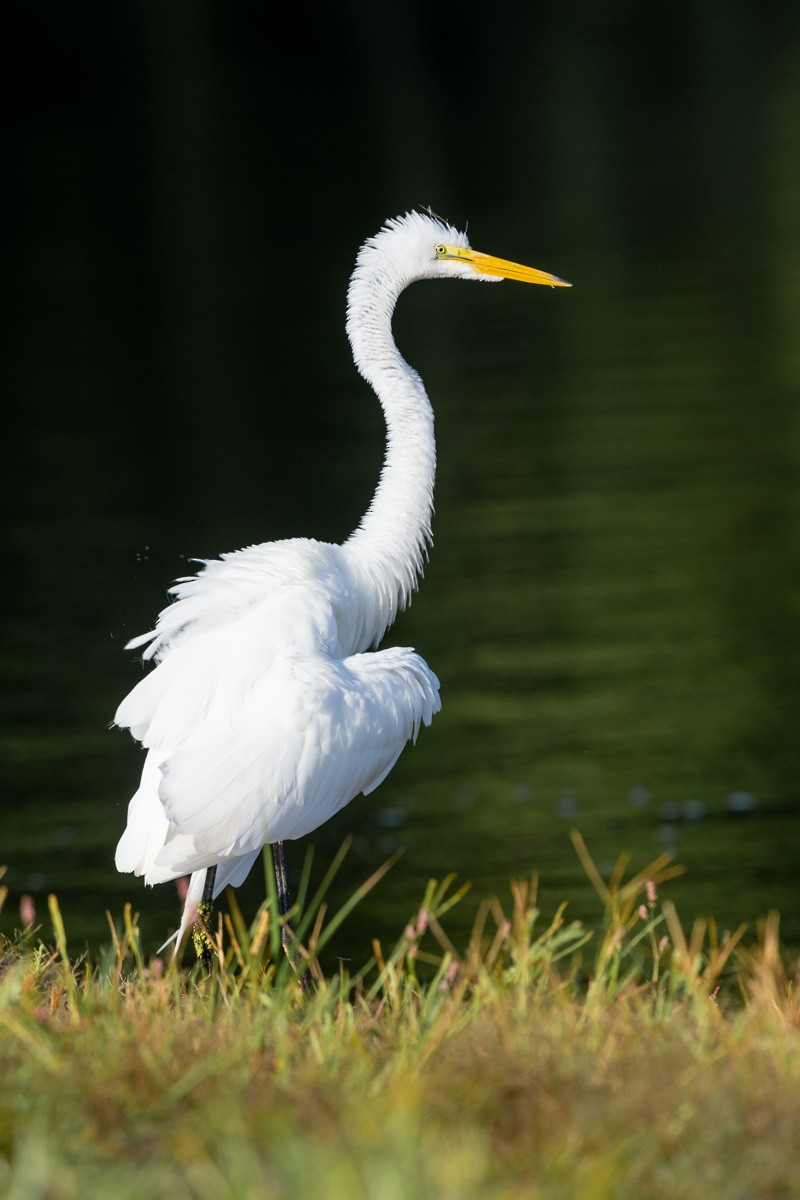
269,708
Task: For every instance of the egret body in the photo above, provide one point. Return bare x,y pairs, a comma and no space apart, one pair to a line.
269,708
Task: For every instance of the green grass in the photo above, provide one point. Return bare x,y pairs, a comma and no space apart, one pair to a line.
541,1062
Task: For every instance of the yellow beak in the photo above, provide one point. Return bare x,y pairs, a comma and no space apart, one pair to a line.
487,264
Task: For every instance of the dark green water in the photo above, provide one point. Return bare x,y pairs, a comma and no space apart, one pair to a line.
612,598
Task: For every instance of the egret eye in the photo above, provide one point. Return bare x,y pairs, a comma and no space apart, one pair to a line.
439,250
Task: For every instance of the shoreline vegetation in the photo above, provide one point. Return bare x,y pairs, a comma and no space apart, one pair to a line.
541,1060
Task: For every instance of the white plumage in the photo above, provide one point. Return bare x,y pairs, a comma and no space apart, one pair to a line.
268,710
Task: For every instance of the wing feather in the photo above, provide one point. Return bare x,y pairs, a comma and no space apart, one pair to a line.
224,589
316,733
147,824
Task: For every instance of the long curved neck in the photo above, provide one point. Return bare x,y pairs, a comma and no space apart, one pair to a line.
388,549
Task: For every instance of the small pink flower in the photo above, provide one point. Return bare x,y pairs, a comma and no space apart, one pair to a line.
449,976
650,888
422,921
643,913
27,910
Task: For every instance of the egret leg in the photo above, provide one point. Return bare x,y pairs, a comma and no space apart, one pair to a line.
284,896
201,936
284,905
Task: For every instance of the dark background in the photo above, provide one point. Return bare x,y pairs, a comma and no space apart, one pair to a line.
612,601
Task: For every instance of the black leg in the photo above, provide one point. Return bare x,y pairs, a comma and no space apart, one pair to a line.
284,896
284,906
203,945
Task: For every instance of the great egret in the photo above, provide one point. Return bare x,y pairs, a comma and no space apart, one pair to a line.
269,708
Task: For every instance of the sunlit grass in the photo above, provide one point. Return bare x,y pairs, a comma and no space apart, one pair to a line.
539,1060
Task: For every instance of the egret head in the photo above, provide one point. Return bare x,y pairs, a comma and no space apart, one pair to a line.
421,246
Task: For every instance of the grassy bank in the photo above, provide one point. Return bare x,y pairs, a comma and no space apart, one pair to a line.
645,1060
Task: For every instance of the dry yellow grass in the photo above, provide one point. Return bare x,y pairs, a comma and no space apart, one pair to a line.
539,1062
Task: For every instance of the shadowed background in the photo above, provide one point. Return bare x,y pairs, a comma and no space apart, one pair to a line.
612,598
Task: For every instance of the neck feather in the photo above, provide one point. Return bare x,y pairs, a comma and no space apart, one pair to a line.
388,549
